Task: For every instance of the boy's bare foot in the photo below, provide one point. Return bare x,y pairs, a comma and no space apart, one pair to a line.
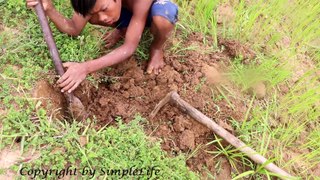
156,61
111,38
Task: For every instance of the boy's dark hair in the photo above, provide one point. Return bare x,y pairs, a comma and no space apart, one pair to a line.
83,6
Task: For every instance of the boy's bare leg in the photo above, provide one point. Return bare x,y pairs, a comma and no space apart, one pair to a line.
161,29
112,37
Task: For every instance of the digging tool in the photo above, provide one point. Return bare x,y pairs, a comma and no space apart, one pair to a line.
76,107
174,98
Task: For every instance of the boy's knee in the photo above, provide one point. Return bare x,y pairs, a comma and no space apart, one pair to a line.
165,9
162,23
161,27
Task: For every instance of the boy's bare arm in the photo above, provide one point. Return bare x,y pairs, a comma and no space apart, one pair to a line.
131,42
71,26
77,72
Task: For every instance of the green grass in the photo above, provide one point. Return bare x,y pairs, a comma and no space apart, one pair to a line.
280,123
120,147
201,14
276,126
269,71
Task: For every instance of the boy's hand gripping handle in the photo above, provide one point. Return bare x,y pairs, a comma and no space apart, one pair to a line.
49,38
47,33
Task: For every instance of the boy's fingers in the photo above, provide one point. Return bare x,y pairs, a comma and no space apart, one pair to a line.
67,64
74,87
64,77
67,88
31,3
65,83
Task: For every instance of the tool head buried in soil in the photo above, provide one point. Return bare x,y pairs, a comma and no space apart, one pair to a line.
76,107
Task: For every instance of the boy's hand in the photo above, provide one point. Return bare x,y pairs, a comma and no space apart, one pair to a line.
47,4
71,79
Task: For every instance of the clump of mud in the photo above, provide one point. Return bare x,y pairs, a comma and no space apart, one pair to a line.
51,99
235,49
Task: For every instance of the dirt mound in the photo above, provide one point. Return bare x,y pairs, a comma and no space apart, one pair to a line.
50,98
235,49
126,90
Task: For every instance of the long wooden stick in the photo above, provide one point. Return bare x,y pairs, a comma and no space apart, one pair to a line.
175,99
76,107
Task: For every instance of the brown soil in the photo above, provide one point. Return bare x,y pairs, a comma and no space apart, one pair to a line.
213,76
50,99
11,156
259,89
225,13
235,49
126,90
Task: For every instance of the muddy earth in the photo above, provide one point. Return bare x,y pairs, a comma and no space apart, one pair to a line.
126,90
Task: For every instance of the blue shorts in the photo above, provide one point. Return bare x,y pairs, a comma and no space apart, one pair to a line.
164,8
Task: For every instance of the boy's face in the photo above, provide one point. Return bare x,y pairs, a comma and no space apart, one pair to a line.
108,11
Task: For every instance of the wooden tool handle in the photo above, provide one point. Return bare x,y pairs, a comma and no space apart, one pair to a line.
47,34
230,138
174,98
49,38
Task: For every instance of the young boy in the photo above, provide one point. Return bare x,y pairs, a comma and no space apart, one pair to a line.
129,17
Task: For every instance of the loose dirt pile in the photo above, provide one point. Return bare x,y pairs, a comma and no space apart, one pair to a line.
126,90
